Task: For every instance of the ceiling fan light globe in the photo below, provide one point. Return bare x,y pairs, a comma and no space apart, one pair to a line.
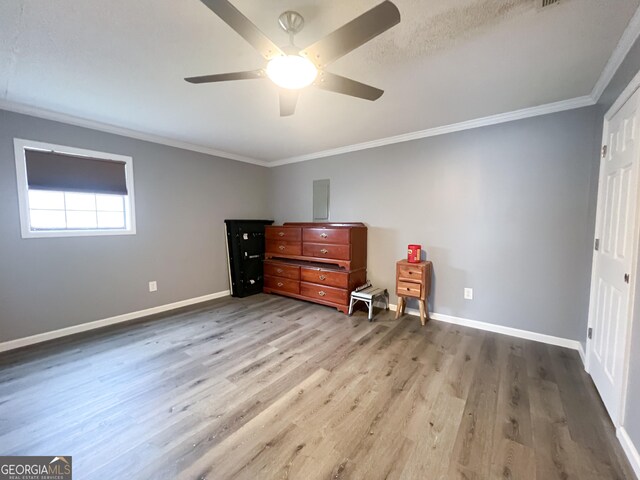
291,71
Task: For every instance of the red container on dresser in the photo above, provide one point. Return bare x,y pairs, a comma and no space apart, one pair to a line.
413,253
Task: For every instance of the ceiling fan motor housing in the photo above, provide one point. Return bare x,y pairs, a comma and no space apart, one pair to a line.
291,22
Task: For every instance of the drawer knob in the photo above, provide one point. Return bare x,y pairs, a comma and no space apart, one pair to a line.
280,284
321,293
279,270
408,289
322,277
281,234
324,235
324,250
281,247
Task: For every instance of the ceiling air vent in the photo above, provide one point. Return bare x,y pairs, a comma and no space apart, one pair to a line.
547,3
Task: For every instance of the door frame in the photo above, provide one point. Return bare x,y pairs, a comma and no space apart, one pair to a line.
626,94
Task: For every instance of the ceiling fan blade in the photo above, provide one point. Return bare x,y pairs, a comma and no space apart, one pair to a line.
336,83
288,101
225,77
354,34
244,27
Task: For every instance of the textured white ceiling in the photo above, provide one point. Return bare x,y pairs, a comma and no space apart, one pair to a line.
122,62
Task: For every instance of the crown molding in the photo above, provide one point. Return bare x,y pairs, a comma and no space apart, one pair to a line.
629,36
126,132
546,109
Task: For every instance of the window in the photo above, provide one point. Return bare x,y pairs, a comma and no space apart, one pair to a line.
66,191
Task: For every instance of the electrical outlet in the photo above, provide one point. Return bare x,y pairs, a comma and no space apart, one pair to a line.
153,286
468,293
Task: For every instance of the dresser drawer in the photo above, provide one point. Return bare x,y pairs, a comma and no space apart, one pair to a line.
410,272
325,277
326,235
321,250
323,292
408,289
281,270
283,233
282,284
283,247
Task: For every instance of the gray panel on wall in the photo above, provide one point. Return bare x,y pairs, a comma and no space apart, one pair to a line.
182,199
321,199
504,209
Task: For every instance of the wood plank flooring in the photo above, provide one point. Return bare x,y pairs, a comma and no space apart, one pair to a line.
273,388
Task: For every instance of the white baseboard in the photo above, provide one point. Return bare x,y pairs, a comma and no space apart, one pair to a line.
583,355
629,449
63,332
490,327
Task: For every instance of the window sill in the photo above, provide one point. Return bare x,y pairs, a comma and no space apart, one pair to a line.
75,233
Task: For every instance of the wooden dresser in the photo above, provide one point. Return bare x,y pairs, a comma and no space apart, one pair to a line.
318,262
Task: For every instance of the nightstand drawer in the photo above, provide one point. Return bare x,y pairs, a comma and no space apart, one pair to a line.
409,289
410,272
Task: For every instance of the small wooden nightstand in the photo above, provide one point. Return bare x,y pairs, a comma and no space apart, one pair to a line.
413,280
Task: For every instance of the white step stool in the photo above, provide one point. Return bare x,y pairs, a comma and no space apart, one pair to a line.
368,296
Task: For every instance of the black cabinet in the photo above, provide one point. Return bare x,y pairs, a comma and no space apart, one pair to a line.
245,252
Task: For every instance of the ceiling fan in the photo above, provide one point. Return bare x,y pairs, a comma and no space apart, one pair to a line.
292,68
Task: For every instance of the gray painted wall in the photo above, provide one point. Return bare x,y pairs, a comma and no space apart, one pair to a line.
182,198
505,209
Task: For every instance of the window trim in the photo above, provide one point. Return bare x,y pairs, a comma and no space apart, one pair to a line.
20,145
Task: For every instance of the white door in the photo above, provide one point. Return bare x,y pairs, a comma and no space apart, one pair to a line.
614,260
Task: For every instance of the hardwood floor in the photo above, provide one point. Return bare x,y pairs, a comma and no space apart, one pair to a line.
268,387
